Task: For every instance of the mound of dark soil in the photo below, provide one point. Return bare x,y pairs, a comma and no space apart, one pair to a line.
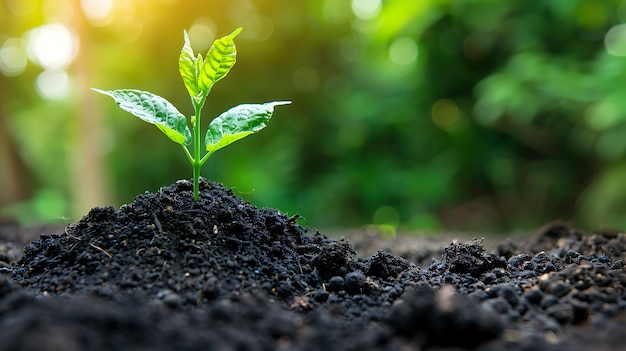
168,273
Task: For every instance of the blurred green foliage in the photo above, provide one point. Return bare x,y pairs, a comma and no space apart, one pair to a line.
423,115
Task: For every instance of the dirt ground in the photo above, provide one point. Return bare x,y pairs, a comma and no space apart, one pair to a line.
167,273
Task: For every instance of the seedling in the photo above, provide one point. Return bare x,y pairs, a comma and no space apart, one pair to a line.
199,75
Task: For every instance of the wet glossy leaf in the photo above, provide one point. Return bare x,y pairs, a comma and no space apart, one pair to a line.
218,62
239,122
188,67
153,109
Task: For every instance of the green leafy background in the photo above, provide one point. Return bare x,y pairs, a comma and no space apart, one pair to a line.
430,115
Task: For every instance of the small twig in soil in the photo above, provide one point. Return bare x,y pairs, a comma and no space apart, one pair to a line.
78,239
157,223
73,246
71,228
101,249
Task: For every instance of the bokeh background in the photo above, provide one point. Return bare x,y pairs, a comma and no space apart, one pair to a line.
425,115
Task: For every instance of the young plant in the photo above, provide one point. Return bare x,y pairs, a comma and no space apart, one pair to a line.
199,75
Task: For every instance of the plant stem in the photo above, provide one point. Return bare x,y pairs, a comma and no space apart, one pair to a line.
197,145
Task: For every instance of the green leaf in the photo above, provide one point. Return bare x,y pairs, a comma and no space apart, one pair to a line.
188,67
154,110
218,62
239,122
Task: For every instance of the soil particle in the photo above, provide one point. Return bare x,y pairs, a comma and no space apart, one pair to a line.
168,273
470,258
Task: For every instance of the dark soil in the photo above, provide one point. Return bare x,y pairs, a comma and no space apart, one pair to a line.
168,273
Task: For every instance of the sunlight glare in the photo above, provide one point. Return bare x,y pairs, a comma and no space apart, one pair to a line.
12,58
615,40
403,51
202,33
367,9
53,84
98,12
52,46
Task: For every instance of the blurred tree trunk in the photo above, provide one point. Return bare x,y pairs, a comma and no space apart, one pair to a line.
14,177
89,176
